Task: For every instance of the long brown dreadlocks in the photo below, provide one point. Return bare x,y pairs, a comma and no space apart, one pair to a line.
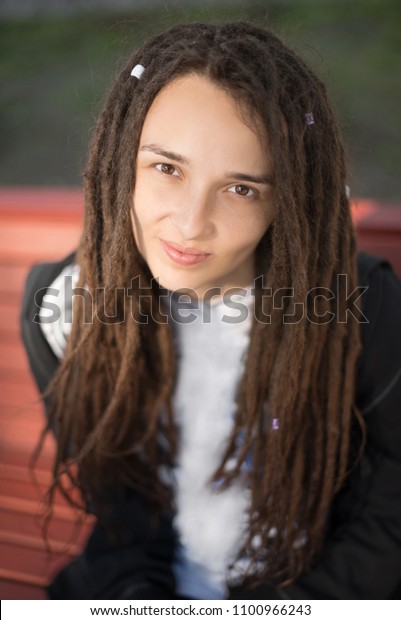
111,397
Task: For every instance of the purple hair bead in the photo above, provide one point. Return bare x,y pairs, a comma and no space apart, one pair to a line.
309,118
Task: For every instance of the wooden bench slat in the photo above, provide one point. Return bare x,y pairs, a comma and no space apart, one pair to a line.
37,566
35,507
32,542
17,590
25,578
20,241
22,474
13,358
18,482
61,530
12,278
18,393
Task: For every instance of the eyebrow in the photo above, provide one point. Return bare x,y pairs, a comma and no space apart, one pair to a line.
154,148
263,179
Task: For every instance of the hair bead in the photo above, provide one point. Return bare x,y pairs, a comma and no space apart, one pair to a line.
137,71
310,120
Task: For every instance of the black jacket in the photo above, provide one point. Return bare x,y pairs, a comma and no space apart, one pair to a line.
362,555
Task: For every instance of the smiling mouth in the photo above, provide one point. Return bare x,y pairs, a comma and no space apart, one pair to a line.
183,256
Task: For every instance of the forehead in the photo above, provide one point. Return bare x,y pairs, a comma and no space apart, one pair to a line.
192,112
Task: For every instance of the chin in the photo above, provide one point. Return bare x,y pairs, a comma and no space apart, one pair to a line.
172,283
165,280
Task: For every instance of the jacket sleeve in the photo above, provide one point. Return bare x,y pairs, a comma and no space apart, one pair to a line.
362,555
128,556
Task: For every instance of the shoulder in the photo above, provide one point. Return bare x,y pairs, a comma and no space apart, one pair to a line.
379,370
39,278
42,360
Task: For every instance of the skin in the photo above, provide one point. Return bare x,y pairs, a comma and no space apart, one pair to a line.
190,189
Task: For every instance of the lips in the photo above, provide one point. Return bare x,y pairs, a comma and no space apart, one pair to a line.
182,255
183,250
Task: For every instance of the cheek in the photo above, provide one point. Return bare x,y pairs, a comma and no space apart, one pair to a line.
149,204
245,234
138,205
262,221
142,212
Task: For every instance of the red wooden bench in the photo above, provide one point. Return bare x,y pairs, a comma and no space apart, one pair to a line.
35,225
40,225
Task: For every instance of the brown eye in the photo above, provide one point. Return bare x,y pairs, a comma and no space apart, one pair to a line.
242,190
167,169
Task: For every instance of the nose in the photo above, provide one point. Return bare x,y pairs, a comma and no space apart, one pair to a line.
193,215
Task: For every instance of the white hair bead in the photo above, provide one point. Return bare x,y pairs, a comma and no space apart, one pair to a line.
137,71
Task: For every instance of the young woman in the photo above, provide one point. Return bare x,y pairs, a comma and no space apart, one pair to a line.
242,440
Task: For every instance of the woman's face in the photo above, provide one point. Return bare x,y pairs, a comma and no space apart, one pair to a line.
202,198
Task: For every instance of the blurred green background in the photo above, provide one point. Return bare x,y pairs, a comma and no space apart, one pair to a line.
55,67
